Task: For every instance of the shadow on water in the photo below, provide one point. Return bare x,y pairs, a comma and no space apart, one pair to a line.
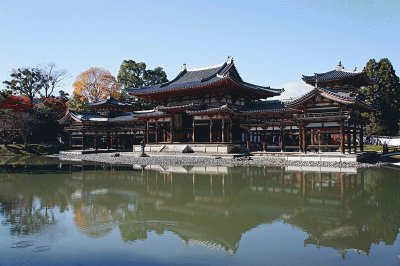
345,209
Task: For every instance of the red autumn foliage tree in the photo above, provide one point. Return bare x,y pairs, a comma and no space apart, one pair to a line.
16,103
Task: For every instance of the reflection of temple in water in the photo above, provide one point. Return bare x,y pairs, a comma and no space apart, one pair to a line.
216,206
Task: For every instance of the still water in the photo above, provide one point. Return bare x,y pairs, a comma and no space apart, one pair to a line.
86,213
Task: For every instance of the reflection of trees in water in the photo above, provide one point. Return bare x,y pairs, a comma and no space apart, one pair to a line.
24,216
30,202
384,221
343,211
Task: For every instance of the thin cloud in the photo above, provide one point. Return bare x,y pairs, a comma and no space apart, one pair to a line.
293,89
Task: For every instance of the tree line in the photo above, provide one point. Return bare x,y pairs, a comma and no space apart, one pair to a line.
30,108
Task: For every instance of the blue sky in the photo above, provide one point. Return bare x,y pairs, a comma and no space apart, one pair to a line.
272,42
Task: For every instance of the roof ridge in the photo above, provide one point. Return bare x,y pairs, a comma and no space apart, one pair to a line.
205,67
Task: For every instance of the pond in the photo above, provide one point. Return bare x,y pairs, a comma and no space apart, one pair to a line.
85,213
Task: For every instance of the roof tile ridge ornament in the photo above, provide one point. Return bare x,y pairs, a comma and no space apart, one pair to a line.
339,66
316,80
229,60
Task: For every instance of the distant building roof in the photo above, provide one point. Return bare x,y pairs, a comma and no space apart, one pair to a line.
110,101
340,73
204,77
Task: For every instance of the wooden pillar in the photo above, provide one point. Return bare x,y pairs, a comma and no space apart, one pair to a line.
349,138
265,140
355,138
301,138
95,140
147,131
312,136
361,138
282,139
342,139
164,134
223,129
108,140
304,138
83,139
193,130
172,130
248,139
156,133
230,131
211,130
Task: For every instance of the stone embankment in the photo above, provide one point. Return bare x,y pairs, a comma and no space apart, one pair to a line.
186,159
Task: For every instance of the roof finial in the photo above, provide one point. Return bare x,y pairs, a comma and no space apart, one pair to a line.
229,60
183,66
355,69
339,66
316,81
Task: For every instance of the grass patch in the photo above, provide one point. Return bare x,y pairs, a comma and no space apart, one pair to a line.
377,148
31,149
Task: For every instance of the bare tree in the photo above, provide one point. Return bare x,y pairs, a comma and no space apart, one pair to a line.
53,78
8,129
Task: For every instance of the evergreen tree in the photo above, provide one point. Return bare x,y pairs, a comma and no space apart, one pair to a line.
134,74
384,96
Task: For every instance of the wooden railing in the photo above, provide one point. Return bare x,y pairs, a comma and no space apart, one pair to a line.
322,115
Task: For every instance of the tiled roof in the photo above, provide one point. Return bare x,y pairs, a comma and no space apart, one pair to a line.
149,113
331,75
339,74
264,106
201,77
339,96
176,107
223,109
110,101
86,116
94,117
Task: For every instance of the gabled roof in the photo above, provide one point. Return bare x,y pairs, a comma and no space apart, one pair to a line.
339,74
110,101
206,77
346,98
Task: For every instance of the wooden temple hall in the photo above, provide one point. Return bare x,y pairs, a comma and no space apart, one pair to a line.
214,105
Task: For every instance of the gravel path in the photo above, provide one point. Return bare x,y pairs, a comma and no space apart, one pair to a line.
183,159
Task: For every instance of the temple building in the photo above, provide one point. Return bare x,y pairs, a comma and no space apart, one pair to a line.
212,105
109,124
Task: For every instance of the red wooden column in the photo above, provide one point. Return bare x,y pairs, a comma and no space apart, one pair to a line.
349,138
230,131
304,138
248,138
172,129
211,130
355,138
282,138
301,138
342,139
223,129
156,133
147,131
265,139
